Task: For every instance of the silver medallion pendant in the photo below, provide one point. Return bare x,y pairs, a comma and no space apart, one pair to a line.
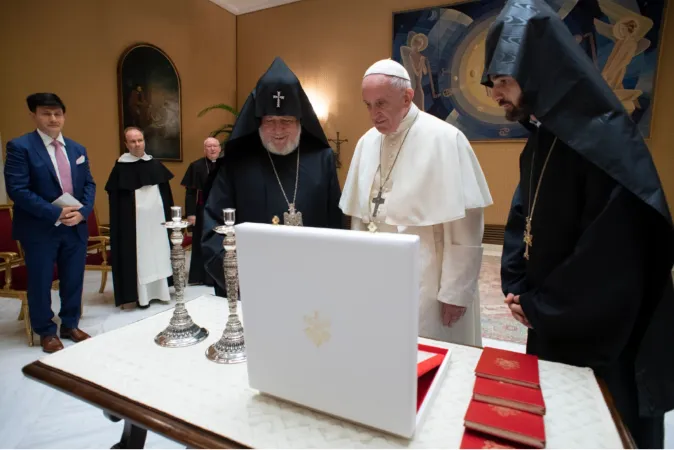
292,218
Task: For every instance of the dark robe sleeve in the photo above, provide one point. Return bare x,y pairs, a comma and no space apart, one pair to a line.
513,267
167,201
191,185
190,202
122,241
221,195
585,310
336,218
166,198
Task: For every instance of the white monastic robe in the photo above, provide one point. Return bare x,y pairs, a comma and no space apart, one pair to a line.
153,252
437,191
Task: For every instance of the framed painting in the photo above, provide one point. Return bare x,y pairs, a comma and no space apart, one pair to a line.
149,98
442,49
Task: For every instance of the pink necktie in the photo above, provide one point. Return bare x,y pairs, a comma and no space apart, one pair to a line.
64,168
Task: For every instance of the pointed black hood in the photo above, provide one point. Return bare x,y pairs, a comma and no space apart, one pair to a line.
529,42
277,93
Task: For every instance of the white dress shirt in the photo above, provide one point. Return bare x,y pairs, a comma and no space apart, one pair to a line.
52,151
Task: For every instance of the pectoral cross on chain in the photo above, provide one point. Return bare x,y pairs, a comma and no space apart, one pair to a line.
528,238
378,201
278,97
293,217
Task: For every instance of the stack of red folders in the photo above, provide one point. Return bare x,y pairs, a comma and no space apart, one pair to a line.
507,407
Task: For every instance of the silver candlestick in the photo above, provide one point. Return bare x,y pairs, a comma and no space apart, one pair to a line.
181,331
231,348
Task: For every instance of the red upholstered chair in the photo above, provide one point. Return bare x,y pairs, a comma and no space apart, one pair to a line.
187,242
13,273
98,251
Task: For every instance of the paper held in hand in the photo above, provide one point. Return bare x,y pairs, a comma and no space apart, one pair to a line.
67,200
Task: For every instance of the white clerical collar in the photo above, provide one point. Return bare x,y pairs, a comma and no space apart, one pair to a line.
129,158
409,119
48,140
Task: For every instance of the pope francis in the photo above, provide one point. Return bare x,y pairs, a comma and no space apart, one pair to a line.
414,173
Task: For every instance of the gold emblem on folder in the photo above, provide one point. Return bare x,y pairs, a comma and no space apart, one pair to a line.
507,364
503,411
317,329
492,444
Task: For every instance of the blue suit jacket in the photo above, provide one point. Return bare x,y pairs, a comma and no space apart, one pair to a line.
32,184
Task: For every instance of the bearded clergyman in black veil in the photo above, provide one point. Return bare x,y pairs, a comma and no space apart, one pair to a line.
278,167
589,242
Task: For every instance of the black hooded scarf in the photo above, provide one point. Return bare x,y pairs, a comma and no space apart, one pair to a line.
597,289
245,180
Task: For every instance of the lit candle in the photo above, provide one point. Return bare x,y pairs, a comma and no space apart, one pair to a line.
176,213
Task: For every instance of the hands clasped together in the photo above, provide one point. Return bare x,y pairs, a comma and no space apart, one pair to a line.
513,302
70,216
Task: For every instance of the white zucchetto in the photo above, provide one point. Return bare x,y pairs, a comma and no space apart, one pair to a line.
388,67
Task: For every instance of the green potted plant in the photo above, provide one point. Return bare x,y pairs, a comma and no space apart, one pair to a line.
225,129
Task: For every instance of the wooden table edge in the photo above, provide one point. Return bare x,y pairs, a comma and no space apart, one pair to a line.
137,413
625,435
185,432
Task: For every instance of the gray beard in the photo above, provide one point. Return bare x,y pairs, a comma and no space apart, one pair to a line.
286,150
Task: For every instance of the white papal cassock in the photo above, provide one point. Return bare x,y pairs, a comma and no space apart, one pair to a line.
437,191
153,253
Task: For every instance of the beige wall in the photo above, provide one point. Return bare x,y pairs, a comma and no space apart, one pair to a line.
330,43
72,47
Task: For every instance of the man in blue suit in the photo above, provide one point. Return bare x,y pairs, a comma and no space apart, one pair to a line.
41,167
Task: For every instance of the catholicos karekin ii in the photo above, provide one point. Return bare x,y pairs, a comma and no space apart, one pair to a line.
589,242
277,168
414,173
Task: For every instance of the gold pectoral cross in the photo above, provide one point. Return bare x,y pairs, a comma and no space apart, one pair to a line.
528,238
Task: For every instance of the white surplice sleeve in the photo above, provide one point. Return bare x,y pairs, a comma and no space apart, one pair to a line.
462,259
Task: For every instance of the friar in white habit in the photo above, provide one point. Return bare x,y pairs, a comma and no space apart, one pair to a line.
414,173
140,200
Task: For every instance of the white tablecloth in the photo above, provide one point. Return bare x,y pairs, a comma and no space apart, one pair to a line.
181,382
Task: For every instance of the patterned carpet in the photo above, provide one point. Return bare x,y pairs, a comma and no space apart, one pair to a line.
497,323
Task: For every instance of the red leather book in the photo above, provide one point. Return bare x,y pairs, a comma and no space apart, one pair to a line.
474,439
506,423
511,367
511,395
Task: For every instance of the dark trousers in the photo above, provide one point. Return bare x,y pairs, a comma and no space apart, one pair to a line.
67,250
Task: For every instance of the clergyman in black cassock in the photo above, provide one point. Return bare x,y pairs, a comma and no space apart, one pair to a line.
277,133
194,181
140,200
589,242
